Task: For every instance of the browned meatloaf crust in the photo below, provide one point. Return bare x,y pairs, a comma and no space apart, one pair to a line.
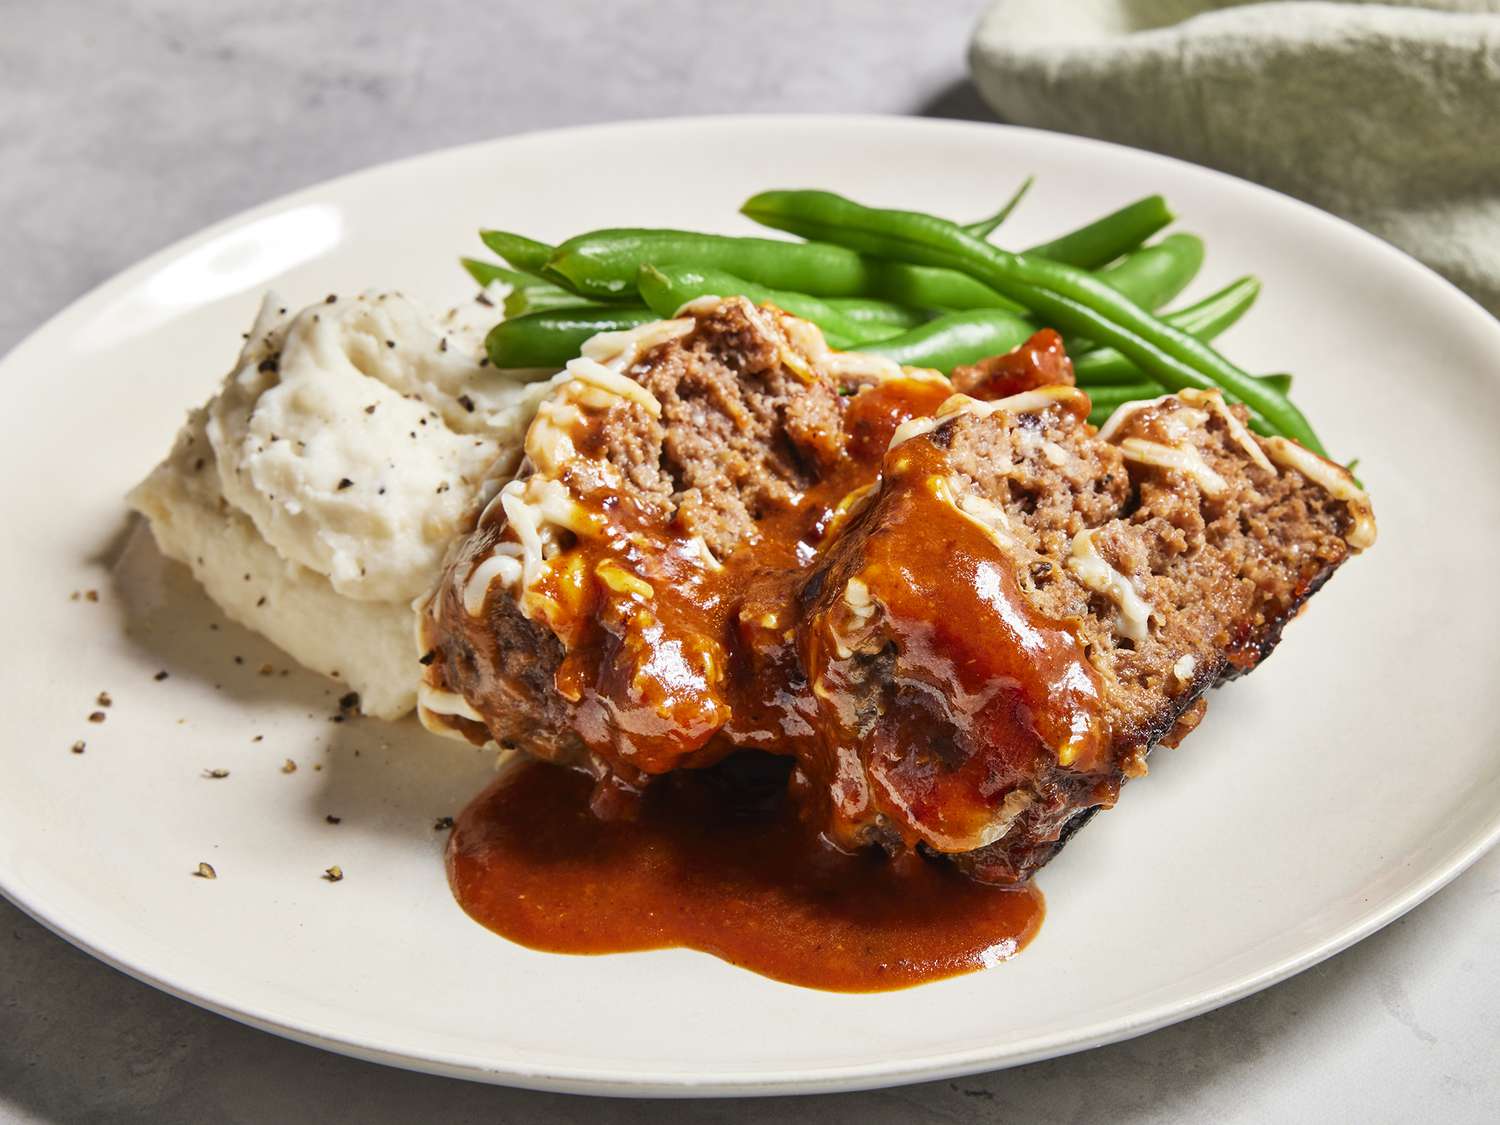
967,642
1217,561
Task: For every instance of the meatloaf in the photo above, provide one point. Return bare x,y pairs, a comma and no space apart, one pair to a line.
967,619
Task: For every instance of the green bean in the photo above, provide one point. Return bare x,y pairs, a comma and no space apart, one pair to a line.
1218,311
956,338
1205,320
549,339
845,321
986,227
528,292
603,264
525,254
606,262
967,337
1153,275
1068,298
531,257
1126,392
1150,276
667,288
488,272
871,310
1105,239
924,287
540,296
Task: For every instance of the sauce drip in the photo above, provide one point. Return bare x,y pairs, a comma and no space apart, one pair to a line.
718,860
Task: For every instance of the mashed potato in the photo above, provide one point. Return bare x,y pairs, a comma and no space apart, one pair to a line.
315,495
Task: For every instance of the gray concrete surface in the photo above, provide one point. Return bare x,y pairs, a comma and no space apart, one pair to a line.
126,125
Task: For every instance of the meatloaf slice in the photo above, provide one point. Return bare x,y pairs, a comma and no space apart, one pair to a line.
616,606
1025,607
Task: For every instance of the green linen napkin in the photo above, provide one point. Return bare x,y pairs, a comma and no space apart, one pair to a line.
1387,114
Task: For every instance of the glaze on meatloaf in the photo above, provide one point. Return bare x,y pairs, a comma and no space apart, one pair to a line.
968,621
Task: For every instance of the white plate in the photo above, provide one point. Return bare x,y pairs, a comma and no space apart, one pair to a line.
1334,789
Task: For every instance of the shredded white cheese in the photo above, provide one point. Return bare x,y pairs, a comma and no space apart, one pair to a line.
981,511
431,699
535,507
611,382
1334,480
504,565
1183,459
858,607
1124,412
621,349
857,598
549,441
1134,613
1214,401
1026,402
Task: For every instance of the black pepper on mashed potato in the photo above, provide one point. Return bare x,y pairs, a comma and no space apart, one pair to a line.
315,494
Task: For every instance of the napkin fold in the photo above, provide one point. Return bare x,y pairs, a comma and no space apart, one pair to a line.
1387,114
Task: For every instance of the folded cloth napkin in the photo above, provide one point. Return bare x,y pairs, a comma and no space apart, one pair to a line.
1387,114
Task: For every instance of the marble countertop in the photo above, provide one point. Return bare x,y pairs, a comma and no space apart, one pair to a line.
126,126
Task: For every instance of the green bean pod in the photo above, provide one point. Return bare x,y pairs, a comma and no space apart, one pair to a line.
872,311
486,273
1152,275
1205,320
986,227
1068,298
525,254
539,297
666,288
549,339
955,339
923,287
528,292
958,338
606,263
603,264
1098,243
